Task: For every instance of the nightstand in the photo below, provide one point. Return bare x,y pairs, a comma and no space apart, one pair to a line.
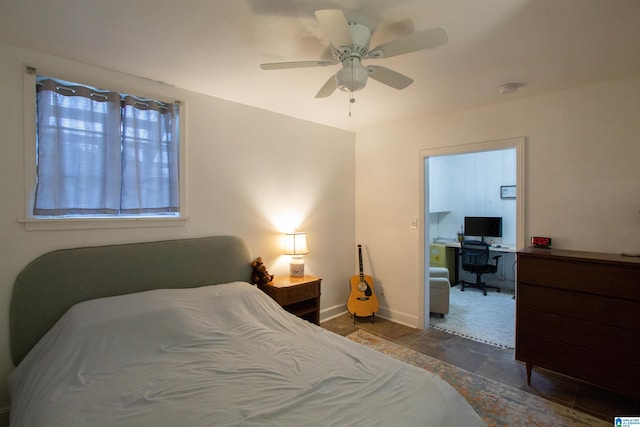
297,295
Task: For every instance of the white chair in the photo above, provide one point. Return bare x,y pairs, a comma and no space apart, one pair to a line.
439,288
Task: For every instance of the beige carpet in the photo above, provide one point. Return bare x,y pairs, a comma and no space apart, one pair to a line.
488,319
497,403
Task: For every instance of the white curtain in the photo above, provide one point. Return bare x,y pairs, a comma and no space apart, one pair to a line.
100,154
150,158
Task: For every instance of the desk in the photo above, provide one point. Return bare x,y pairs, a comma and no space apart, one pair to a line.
455,248
492,248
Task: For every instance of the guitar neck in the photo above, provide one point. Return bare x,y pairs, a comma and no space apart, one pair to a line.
360,261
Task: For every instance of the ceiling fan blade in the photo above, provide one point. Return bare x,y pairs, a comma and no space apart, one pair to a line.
389,77
335,27
295,64
329,87
421,40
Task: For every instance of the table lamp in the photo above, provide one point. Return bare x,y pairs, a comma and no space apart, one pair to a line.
295,244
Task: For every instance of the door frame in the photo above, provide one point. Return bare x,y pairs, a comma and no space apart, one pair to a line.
519,143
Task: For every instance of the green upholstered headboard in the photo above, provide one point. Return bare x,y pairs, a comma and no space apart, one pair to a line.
54,282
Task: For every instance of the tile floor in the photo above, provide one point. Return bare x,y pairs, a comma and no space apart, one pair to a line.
495,363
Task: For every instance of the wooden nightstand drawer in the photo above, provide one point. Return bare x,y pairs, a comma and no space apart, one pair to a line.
297,295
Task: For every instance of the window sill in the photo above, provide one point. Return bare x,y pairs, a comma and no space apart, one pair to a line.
31,224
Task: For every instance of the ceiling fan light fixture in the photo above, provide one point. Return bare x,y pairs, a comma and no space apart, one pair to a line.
353,76
350,40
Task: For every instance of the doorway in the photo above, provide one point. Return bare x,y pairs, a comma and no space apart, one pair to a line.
517,144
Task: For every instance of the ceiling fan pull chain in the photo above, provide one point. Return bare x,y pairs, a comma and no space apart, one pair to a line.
351,101
351,98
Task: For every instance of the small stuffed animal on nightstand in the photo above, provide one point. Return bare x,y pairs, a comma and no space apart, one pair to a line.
260,275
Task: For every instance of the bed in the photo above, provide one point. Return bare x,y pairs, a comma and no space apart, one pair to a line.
170,333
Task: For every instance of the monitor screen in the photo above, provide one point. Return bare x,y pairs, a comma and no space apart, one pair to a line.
489,226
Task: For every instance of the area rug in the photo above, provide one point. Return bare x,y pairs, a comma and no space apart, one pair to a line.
497,403
488,319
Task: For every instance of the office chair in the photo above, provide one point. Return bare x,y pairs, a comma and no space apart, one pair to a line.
475,259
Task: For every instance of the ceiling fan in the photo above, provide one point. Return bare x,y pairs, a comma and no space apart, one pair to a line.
350,45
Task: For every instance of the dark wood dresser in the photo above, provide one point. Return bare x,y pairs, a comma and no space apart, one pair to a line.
578,313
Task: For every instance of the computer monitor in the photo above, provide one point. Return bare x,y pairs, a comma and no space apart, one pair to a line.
483,226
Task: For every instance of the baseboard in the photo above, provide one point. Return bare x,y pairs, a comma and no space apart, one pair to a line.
398,317
395,316
331,312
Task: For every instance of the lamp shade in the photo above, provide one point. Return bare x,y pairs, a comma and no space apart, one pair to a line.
295,244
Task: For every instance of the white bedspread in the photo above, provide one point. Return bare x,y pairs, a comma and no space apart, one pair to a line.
215,356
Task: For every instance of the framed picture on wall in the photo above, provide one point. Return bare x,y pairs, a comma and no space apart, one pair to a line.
507,191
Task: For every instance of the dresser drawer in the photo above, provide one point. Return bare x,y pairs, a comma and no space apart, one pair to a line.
615,373
598,309
606,339
620,281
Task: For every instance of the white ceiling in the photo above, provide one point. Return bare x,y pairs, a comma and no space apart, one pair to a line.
215,47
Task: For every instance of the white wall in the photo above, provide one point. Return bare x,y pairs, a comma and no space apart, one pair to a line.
241,164
582,179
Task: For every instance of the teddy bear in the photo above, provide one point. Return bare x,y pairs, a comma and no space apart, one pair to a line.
260,275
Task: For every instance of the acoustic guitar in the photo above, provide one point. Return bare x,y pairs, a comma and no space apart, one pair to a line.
362,300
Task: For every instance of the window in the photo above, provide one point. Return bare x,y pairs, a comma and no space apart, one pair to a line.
104,154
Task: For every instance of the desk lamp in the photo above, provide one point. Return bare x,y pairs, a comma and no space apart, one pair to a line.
295,244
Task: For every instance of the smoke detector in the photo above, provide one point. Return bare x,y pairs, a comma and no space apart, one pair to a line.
509,88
